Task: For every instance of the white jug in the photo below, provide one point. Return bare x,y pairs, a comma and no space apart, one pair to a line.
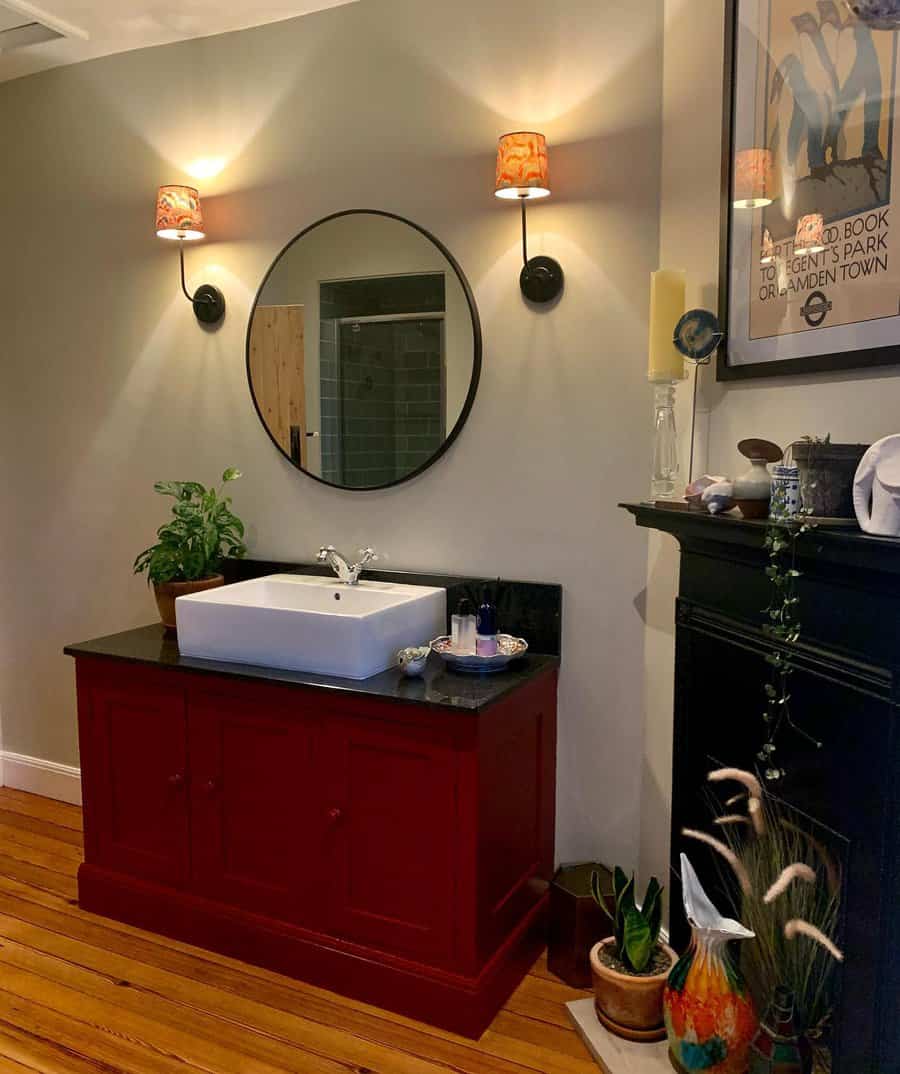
876,490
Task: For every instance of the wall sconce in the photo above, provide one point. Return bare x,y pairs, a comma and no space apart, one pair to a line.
178,216
810,237
523,173
755,179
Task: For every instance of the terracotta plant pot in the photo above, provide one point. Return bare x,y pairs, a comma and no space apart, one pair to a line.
627,1005
166,592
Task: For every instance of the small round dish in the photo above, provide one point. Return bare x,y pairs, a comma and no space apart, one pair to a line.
412,661
508,649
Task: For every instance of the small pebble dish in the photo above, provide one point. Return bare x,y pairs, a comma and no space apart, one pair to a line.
508,649
412,661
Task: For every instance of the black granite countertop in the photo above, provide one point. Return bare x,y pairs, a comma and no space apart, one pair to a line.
439,688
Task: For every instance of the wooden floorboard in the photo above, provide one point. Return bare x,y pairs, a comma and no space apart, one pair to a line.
80,994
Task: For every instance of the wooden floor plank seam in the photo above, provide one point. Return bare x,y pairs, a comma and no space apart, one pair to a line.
51,1055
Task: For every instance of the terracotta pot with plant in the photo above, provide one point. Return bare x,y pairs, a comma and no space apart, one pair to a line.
630,969
188,555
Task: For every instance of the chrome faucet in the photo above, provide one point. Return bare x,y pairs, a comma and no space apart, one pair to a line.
348,574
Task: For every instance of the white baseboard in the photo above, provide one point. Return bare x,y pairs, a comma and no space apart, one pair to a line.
37,776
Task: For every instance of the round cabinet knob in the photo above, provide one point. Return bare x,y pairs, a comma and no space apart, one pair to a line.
176,781
210,786
334,815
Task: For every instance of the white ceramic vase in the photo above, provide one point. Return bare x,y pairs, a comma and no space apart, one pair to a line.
876,489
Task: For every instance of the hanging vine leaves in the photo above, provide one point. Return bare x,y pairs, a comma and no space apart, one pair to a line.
783,627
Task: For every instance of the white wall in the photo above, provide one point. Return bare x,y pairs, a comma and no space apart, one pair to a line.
109,383
853,407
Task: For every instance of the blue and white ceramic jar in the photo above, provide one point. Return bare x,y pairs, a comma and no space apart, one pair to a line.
785,502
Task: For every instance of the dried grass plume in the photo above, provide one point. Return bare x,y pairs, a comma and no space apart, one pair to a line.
797,927
739,776
733,860
755,809
732,818
797,871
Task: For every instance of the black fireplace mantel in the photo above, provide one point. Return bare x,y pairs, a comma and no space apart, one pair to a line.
843,544
845,692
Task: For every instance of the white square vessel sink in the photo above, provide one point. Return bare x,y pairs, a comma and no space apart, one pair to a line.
310,624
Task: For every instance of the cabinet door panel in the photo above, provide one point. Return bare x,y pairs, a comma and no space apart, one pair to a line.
250,820
140,745
390,842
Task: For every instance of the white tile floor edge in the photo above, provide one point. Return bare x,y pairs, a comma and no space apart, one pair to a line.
34,774
616,1056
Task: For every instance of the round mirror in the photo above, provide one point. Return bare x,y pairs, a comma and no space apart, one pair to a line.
364,350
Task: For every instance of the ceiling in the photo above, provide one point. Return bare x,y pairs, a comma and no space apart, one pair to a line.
92,28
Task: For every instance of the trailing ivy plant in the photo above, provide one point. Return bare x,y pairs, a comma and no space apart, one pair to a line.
202,532
783,625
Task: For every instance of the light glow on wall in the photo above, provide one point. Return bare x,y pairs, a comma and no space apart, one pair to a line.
206,167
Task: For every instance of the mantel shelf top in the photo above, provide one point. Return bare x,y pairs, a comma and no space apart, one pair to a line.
835,544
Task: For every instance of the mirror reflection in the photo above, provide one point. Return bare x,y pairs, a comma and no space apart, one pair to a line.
363,350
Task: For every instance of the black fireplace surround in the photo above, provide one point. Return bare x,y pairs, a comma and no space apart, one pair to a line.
844,692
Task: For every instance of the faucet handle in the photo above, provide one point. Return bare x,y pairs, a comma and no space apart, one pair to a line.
368,555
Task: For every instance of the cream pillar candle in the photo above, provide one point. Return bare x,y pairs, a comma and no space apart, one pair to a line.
667,287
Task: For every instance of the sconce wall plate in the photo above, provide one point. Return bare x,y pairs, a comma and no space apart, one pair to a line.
541,279
209,304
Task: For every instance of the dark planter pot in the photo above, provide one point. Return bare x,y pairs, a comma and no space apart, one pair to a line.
576,922
826,477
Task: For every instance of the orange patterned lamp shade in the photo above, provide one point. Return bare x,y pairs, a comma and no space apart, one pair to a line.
755,181
178,214
810,237
522,168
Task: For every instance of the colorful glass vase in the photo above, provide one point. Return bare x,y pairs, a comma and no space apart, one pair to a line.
778,1047
710,1018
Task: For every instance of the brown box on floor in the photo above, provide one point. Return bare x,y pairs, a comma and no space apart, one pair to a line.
576,921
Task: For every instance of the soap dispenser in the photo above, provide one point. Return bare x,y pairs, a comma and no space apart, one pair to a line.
486,637
462,629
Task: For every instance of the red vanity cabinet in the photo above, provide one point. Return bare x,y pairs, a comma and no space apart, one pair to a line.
393,851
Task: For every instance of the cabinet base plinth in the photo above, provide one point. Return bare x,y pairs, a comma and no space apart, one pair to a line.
460,1004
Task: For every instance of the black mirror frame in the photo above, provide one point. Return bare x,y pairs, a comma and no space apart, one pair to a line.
476,349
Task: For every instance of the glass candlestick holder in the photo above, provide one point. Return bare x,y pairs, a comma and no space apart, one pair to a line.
664,473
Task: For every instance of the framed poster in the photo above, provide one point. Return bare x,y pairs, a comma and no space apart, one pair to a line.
810,261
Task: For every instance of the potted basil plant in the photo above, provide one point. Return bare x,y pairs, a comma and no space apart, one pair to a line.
630,969
188,556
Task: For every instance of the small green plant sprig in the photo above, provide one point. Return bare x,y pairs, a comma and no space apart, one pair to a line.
636,931
202,532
